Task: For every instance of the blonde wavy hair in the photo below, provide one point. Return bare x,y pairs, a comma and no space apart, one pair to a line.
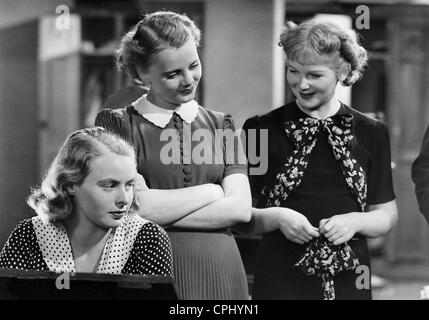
313,42
71,166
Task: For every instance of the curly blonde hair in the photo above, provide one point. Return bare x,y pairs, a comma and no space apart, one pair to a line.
313,42
71,166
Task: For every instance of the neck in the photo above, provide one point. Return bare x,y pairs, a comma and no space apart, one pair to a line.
325,111
83,235
161,103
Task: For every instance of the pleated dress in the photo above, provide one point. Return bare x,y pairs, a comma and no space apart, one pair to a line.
207,263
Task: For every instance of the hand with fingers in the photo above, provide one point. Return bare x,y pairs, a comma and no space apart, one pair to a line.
296,226
340,228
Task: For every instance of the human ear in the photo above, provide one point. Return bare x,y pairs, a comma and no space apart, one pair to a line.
143,75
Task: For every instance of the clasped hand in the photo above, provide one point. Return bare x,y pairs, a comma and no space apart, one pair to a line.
340,228
337,229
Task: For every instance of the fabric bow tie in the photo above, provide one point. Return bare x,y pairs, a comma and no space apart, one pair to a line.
303,134
324,260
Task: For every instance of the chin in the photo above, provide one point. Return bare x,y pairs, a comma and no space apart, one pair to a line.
186,99
310,106
114,223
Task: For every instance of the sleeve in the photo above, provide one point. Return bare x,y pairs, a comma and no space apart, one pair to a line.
234,155
151,253
116,121
380,185
21,250
420,176
251,130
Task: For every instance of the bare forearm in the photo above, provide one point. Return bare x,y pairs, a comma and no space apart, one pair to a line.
223,213
263,221
378,221
167,206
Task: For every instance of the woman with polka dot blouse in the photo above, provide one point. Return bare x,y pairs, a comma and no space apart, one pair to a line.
85,215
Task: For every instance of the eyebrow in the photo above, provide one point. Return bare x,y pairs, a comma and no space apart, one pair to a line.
113,181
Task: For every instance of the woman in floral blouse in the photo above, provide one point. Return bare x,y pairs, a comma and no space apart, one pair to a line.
328,185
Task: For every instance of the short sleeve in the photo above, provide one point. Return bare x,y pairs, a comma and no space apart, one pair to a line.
21,250
151,253
116,121
420,176
380,185
234,155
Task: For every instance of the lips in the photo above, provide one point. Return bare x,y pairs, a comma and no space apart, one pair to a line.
306,95
117,214
187,91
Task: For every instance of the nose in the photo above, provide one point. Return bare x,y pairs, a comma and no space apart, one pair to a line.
122,198
188,79
303,84
121,204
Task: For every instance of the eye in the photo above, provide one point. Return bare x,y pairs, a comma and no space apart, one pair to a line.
129,186
171,75
292,71
108,187
194,66
314,76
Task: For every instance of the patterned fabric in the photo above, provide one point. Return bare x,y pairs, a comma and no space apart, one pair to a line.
150,254
57,252
324,260
304,135
321,258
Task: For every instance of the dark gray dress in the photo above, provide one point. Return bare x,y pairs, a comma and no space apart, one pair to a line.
207,264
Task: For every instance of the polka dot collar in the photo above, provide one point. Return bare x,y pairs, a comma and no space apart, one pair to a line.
57,252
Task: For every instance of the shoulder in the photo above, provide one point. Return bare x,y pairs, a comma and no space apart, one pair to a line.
272,118
361,119
369,129
22,234
152,230
24,226
147,229
152,237
216,118
370,126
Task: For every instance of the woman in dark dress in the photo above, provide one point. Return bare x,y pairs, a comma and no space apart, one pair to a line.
328,185
197,186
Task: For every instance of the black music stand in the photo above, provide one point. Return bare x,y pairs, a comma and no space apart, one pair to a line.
44,285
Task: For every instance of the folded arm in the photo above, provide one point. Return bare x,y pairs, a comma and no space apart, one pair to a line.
234,208
165,207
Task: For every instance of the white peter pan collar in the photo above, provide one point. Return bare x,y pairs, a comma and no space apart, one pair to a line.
160,116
